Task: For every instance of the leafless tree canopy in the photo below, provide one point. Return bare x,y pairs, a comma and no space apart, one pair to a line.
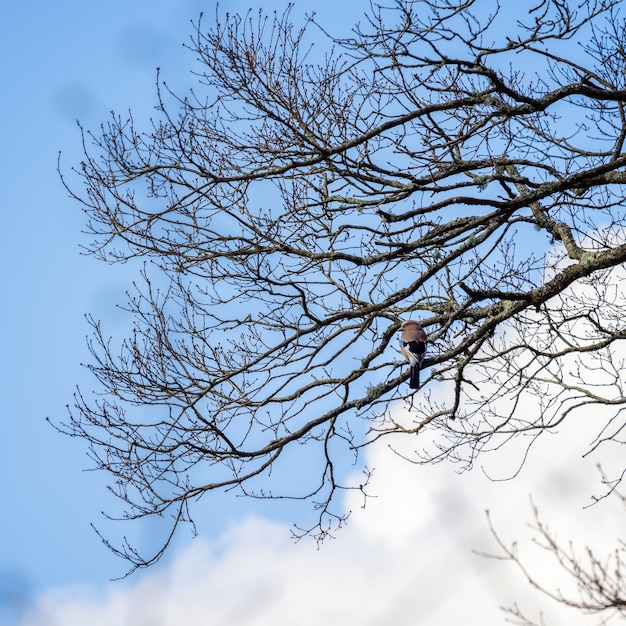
447,161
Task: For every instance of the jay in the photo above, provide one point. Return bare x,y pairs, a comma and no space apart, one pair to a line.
413,346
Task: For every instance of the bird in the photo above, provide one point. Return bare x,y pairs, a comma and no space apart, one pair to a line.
413,340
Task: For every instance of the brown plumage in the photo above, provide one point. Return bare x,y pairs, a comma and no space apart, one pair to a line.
413,340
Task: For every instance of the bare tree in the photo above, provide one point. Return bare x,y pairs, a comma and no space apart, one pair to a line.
597,585
460,167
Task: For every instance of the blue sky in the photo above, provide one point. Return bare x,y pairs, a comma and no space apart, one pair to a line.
61,62
73,59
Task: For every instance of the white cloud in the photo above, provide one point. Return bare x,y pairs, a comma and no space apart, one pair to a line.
406,559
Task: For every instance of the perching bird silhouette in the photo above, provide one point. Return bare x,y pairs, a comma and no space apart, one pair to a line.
413,340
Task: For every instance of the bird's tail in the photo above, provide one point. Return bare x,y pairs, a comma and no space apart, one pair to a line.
414,380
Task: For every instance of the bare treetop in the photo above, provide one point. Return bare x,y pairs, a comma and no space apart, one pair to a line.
440,163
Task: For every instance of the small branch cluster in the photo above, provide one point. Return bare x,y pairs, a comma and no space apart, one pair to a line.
598,585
